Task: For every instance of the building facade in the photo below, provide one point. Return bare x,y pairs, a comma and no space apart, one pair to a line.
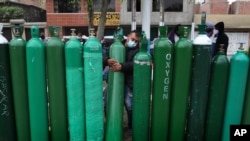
234,13
176,12
75,15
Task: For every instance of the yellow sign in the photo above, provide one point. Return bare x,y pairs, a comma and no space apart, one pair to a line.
113,18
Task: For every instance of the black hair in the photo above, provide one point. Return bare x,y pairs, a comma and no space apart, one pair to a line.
137,33
42,35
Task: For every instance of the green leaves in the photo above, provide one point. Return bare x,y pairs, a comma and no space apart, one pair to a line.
10,12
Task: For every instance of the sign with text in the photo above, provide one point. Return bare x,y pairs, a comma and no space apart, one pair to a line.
113,18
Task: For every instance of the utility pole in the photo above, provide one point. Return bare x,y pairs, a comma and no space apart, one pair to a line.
133,6
162,10
146,17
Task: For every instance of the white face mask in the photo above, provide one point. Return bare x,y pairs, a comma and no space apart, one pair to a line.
215,31
131,44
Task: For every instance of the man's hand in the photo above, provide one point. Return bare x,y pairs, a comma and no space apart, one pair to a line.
111,62
116,67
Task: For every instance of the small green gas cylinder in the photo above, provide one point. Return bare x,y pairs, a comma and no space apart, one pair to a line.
114,125
181,84
142,92
74,86
239,63
56,86
217,97
37,90
19,83
162,81
93,80
199,84
7,117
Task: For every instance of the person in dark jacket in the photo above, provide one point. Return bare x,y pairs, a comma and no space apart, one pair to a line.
174,34
222,38
132,47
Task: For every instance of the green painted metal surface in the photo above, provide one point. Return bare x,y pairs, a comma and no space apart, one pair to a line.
142,92
75,89
199,86
181,85
162,80
246,111
239,63
93,81
36,75
19,83
56,86
217,97
114,124
7,117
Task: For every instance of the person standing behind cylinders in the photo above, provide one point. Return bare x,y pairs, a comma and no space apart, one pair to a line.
132,47
173,35
210,34
222,38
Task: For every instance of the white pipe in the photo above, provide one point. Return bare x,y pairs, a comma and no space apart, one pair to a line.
146,16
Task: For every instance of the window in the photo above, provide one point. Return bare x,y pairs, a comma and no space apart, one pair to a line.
138,5
170,5
67,6
98,6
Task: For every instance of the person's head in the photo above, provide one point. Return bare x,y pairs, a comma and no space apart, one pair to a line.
220,27
176,29
133,39
209,29
42,36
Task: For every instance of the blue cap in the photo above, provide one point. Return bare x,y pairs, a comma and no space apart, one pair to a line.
209,25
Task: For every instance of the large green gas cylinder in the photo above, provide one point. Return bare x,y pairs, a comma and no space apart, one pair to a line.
162,80
239,63
19,83
114,123
74,86
181,84
56,86
246,111
217,97
92,56
38,105
7,117
142,92
199,84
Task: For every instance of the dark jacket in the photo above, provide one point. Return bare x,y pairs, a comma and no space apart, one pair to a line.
128,65
222,38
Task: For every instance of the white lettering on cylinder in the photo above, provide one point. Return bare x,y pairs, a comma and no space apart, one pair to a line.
167,77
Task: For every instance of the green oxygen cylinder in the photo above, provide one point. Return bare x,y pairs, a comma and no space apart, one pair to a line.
19,83
92,56
162,81
199,84
217,97
36,75
142,92
114,124
246,111
74,86
239,63
181,85
7,117
56,86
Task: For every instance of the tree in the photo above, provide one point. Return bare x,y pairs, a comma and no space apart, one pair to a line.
104,9
90,13
10,12
101,25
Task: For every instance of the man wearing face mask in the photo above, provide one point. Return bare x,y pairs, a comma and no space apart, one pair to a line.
132,47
